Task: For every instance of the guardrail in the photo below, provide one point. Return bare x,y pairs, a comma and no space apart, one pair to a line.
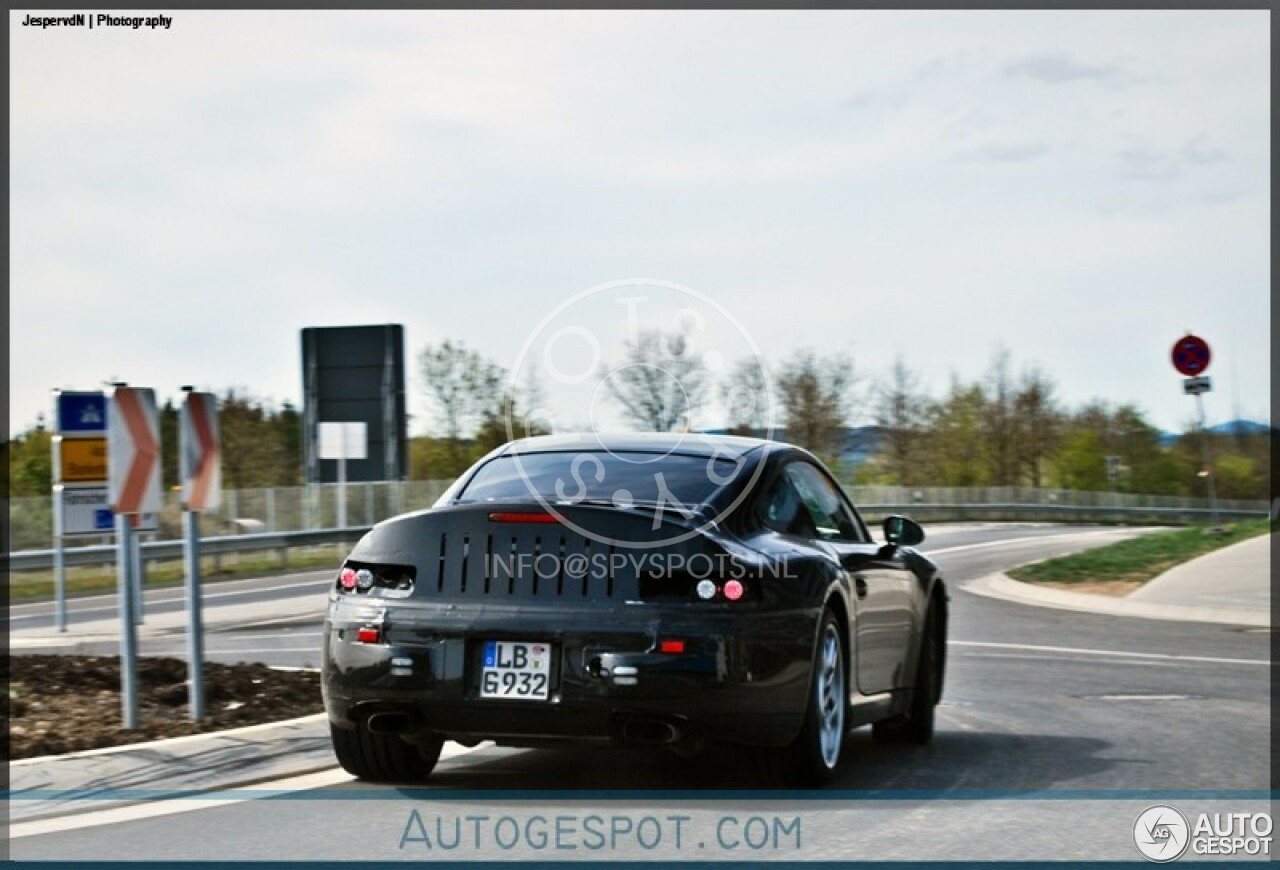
38,560
1054,513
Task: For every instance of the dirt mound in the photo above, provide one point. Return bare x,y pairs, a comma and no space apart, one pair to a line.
57,704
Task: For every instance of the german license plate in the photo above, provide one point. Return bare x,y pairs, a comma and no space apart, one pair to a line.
516,670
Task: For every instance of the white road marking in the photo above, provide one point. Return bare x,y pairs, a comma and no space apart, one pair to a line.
1142,697
173,806
1139,663
1071,650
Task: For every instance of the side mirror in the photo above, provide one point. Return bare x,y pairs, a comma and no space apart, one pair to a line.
902,531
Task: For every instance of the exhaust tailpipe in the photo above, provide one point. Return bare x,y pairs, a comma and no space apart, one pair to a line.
389,723
650,731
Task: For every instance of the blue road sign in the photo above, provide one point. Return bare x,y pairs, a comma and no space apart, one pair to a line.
104,520
82,412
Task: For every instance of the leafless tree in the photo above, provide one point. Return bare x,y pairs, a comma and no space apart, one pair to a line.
901,410
999,422
464,387
1038,423
660,382
817,396
747,398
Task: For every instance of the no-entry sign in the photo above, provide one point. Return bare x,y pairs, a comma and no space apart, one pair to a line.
1190,355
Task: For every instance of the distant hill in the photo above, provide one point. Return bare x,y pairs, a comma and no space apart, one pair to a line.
1231,427
1240,427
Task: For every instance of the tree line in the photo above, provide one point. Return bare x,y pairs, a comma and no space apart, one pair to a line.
1007,427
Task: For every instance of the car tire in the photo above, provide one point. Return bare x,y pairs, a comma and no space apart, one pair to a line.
384,757
813,757
916,728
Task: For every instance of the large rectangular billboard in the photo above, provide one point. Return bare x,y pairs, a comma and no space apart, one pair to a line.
355,374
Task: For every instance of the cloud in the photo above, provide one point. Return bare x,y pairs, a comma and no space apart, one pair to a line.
1144,164
1197,152
1056,69
1006,152
1147,164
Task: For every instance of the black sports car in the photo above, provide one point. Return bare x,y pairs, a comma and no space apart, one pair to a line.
660,589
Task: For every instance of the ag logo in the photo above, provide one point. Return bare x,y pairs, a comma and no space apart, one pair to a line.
1161,834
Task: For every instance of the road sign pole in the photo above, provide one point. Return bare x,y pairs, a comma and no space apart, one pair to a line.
59,564
342,441
128,633
195,630
199,464
135,571
1191,356
342,489
1208,461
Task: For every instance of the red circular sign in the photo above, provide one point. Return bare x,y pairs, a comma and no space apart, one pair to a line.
1191,355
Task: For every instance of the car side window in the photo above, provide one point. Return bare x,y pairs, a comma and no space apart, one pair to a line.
784,511
831,517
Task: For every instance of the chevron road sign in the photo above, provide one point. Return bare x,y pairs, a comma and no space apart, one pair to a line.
201,453
133,447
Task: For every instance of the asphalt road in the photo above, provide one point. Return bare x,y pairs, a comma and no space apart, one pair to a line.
1056,730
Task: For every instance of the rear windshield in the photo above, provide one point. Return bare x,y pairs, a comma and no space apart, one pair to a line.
620,478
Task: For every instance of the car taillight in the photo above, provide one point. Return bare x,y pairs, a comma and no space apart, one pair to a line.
380,580
673,647
515,517
728,590
347,579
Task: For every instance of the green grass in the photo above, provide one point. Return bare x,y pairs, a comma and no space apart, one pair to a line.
87,579
1139,559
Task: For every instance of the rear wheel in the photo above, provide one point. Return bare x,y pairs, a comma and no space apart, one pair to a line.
811,759
917,727
384,757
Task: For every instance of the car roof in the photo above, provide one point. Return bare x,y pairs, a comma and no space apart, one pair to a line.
687,443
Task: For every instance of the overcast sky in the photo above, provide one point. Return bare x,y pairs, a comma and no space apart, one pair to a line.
1079,187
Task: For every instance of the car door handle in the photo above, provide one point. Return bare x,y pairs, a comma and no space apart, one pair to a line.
860,585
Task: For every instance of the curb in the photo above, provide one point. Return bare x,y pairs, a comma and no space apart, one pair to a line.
1000,586
52,786
163,742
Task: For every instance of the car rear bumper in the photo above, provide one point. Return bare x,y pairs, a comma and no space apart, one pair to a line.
742,677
